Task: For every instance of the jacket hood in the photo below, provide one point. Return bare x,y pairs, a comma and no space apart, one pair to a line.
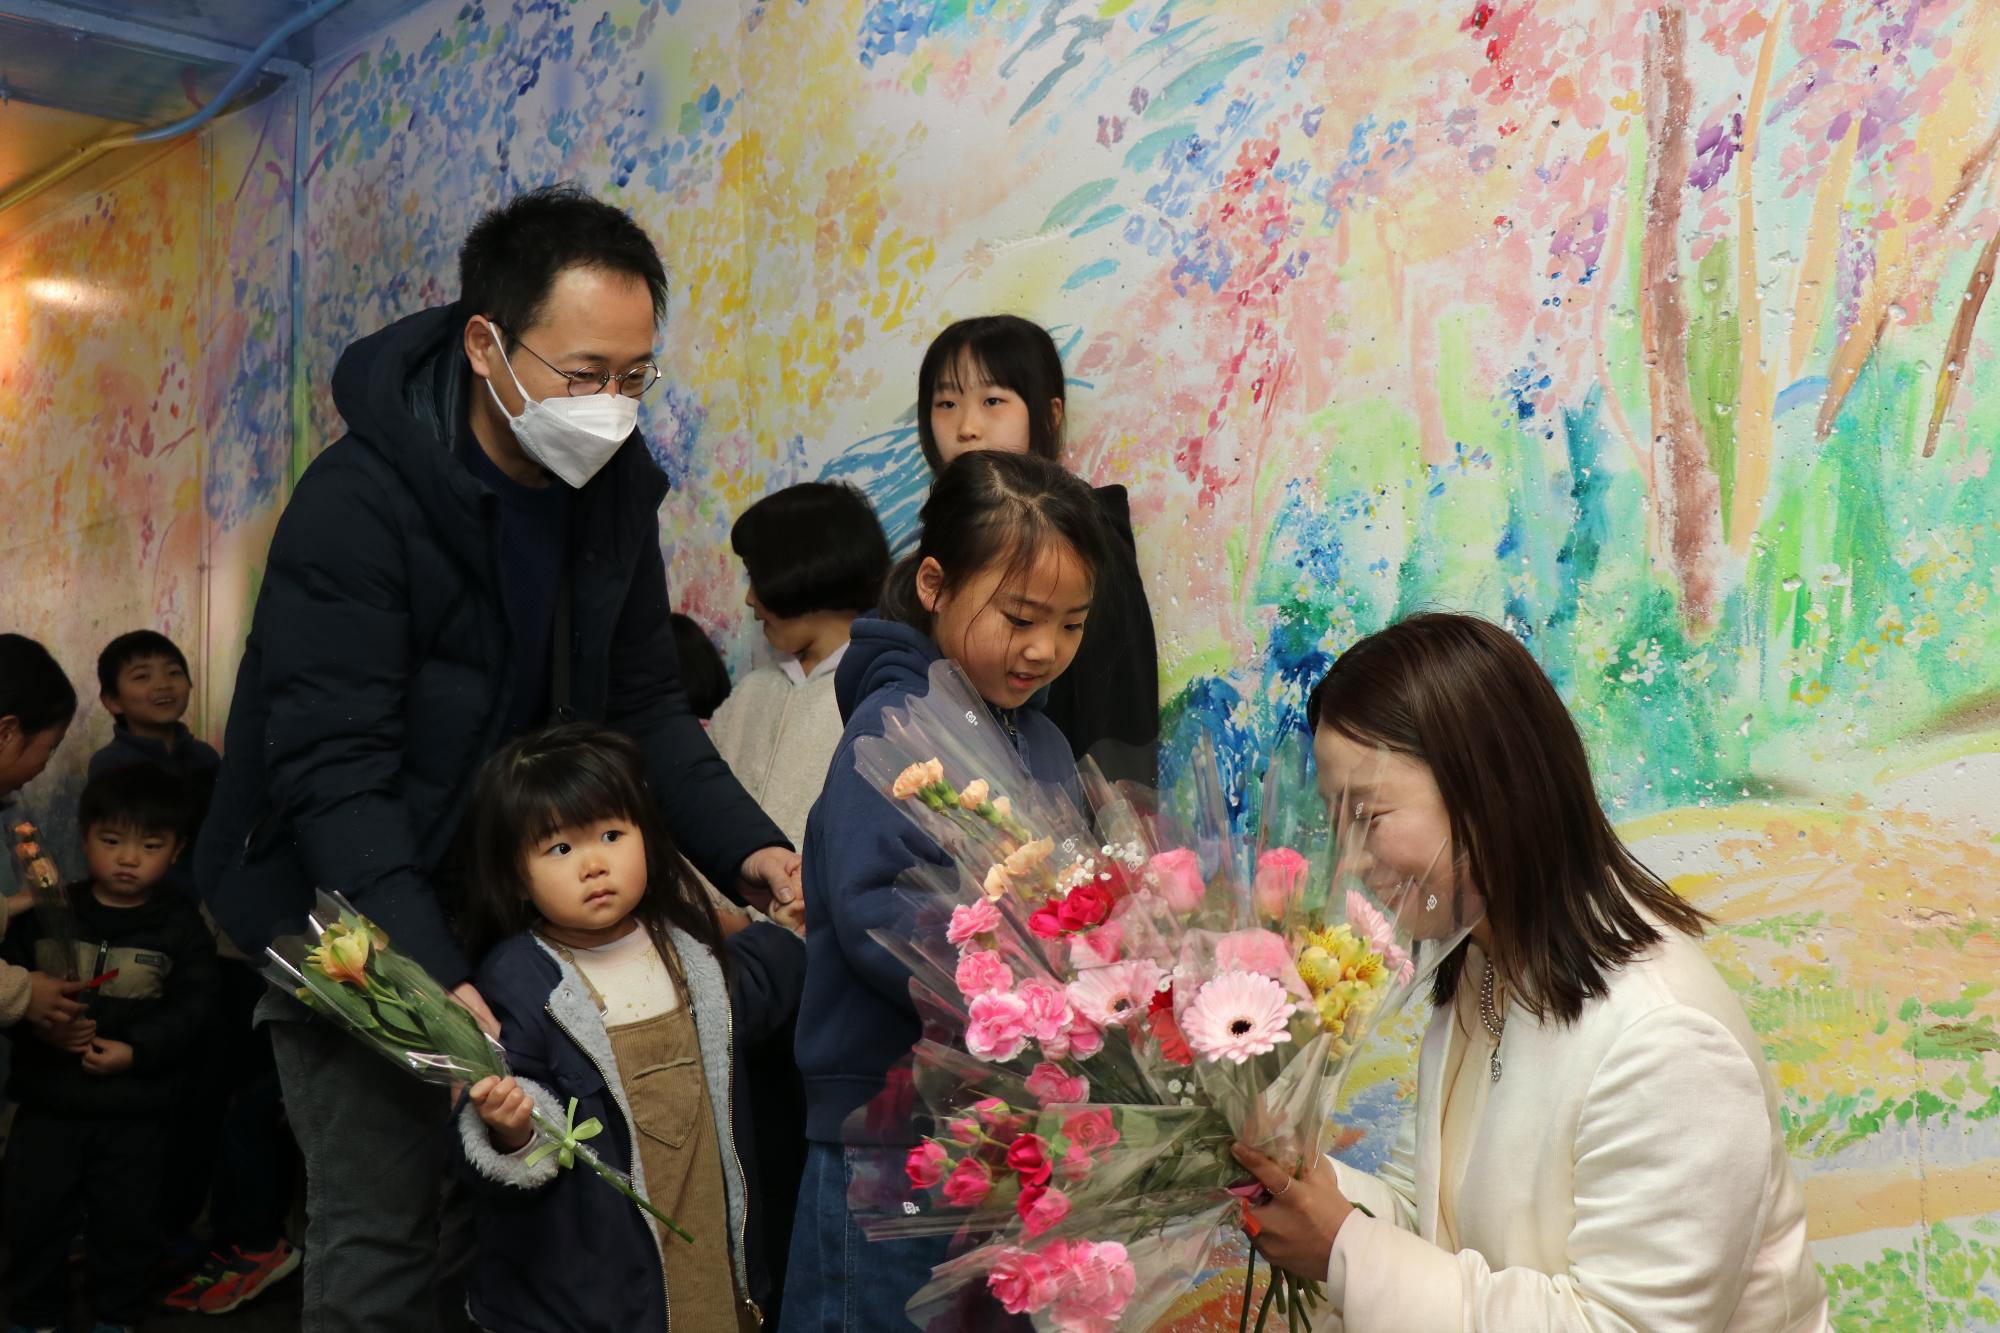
881,653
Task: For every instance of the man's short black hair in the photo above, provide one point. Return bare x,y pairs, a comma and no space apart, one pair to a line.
812,547
140,797
126,649
511,258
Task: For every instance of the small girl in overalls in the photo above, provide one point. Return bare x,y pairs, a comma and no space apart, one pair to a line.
614,985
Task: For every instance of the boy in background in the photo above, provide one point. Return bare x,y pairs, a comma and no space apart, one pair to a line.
90,1142
144,683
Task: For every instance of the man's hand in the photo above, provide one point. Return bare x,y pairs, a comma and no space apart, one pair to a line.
106,1056
51,1000
770,878
464,993
792,915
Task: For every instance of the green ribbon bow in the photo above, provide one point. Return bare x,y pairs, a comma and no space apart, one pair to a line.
564,1146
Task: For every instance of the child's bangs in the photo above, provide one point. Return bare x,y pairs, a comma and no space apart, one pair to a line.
583,789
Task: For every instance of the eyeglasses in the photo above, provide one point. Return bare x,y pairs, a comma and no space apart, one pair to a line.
582,383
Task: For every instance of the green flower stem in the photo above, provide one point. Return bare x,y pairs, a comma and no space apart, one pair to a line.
566,1142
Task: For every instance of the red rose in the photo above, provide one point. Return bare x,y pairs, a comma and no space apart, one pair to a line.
1086,906
1046,922
1028,1157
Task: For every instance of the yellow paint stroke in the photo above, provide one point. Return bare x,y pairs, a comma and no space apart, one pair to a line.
1816,274
1757,394
1848,1203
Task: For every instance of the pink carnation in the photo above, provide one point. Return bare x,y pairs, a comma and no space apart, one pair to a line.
1076,1164
925,1165
1176,876
1092,1284
981,971
997,1026
1040,1207
1281,874
972,920
968,1184
1022,1282
1049,1013
1053,1087
1084,1040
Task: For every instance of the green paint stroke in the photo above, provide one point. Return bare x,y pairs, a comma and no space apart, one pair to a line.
1074,204
1187,86
1943,1281
1715,364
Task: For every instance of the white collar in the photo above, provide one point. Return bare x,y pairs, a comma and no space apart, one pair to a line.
789,664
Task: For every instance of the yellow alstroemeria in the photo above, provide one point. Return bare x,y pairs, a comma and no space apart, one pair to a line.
343,956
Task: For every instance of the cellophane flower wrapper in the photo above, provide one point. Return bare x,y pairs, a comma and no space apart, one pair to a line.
343,967
53,912
1109,1001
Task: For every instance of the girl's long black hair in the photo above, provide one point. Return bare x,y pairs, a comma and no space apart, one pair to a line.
562,777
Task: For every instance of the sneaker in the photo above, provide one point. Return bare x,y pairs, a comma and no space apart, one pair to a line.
250,1274
187,1296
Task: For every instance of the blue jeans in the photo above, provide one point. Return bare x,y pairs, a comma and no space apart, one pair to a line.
837,1280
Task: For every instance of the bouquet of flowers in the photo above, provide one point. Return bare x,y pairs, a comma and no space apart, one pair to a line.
344,968
1112,1000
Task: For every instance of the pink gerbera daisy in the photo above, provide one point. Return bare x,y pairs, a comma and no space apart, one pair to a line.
1237,1015
1120,993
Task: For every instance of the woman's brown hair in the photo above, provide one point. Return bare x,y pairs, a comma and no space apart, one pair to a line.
1566,902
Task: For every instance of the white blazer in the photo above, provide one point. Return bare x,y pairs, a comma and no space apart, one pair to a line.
1628,1173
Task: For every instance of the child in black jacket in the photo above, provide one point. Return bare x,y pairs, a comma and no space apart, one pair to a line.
90,1140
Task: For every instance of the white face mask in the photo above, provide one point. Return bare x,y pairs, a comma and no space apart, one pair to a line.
571,437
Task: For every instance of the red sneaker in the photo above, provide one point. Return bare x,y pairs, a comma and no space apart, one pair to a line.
187,1296
250,1274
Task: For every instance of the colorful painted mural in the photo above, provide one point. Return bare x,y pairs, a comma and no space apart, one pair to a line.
1652,329
144,338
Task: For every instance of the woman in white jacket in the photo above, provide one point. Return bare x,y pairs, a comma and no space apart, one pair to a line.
1596,1143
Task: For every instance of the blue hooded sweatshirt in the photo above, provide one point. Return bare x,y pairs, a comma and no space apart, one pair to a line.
856,1018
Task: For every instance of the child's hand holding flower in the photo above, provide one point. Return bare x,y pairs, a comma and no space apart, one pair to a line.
507,1109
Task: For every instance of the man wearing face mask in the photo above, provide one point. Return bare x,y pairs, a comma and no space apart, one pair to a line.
477,556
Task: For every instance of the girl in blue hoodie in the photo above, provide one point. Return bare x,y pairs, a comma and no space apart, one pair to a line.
619,1001
1001,583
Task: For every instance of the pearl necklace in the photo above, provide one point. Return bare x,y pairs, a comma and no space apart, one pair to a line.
1494,1021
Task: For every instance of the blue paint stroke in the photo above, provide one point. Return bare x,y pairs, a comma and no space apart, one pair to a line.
1091,272
1800,393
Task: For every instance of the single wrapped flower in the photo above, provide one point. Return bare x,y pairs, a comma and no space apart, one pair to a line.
996,883
974,795
1237,1015
1046,921
344,956
925,1164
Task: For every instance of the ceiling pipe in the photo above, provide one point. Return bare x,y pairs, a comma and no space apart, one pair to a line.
253,65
